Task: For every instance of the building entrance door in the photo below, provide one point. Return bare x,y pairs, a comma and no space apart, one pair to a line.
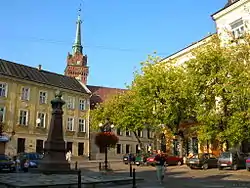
20,145
39,146
80,149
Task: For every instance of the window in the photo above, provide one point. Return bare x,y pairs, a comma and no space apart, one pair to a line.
119,132
71,103
127,148
149,133
82,104
43,97
127,133
23,117
3,89
2,115
237,28
82,125
25,94
140,133
70,124
41,117
118,149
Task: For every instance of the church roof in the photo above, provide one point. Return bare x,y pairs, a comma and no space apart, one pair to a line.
32,74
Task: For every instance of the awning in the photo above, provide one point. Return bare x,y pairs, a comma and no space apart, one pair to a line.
4,138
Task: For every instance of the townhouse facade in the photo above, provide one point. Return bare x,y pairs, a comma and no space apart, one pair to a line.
25,95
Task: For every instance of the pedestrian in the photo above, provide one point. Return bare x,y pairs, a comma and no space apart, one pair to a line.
160,161
26,166
68,156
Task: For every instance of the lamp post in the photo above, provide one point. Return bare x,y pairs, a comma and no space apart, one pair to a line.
106,127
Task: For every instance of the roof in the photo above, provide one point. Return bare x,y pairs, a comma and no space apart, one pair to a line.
188,46
229,3
32,74
100,93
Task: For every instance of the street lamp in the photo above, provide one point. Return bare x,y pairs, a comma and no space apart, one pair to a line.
106,127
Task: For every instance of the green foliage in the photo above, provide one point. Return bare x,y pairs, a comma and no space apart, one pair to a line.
219,77
212,88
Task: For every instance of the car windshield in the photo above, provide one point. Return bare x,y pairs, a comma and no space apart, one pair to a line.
225,155
4,157
198,156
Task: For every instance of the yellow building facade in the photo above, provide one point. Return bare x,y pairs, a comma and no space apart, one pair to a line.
25,95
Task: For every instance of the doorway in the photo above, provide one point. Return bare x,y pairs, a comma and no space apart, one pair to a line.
69,147
80,149
39,146
20,145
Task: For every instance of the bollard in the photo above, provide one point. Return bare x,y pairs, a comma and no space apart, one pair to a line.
79,182
100,166
134,183
130,169
76,165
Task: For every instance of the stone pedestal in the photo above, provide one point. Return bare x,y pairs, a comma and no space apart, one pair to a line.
54,160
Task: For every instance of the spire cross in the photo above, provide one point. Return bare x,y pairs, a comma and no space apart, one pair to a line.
79,10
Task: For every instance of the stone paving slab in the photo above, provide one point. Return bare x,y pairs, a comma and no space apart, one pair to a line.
39,180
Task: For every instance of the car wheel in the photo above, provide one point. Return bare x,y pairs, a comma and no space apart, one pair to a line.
219,168
191,167
235,167
205,166
179,163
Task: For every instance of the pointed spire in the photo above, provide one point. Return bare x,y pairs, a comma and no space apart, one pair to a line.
77,47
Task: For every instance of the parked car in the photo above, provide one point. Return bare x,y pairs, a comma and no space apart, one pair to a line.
151,160
141,158
174,160
33,158
232,160
248,164
203,161
129,158
6,163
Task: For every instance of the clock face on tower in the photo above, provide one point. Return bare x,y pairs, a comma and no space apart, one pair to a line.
78,62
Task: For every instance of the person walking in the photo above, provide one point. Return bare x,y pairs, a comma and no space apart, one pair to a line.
160,161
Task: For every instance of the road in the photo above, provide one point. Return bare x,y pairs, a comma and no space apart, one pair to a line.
180,177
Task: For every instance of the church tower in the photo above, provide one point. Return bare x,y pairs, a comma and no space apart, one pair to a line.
77,61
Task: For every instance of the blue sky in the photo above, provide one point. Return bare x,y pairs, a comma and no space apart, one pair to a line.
117,34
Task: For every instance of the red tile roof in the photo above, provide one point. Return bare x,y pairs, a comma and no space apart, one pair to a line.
100,93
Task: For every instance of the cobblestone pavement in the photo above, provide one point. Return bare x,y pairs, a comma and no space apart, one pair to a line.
183,177
176,177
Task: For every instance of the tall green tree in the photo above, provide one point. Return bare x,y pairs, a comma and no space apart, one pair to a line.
218,76
163,86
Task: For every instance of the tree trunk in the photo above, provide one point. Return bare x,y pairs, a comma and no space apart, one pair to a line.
138,139
181,144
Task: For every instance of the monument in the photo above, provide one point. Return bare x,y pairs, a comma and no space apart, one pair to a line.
54,160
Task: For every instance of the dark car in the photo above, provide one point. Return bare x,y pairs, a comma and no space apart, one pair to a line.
203,161
7,163
232,160
129,158
33,158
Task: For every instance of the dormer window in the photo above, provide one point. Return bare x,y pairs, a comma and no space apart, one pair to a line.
237,28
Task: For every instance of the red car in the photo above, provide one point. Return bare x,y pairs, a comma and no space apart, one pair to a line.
171,160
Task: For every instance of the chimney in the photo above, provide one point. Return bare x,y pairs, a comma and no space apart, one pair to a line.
39,67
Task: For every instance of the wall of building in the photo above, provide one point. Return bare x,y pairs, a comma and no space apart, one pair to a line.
31,132
227,16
